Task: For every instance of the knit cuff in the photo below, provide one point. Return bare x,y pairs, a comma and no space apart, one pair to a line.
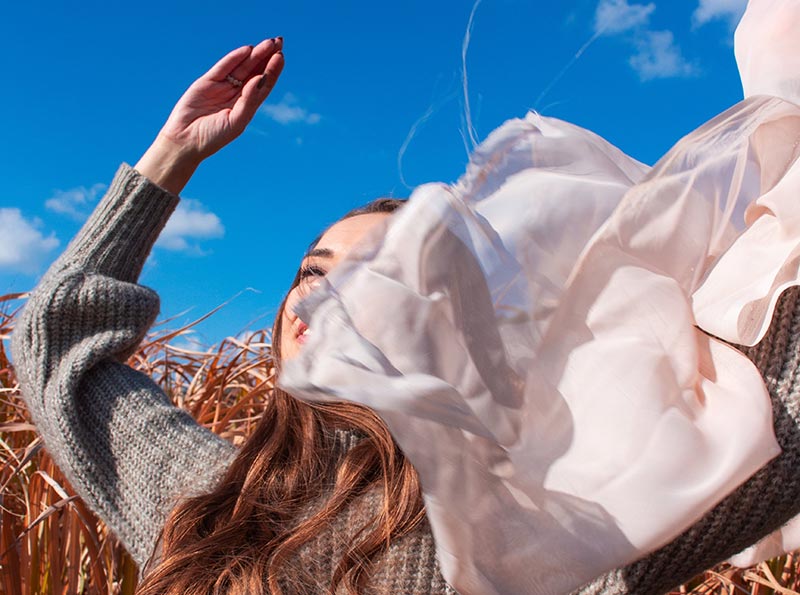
119,235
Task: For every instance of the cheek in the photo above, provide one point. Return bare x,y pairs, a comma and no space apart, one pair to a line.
289,317
298,294
289,320
287,341
288,314
295,296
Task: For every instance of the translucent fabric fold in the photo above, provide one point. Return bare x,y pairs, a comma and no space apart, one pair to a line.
543,339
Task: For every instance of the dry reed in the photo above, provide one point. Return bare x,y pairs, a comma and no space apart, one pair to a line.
50,542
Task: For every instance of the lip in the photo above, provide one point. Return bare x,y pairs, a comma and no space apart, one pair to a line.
300,335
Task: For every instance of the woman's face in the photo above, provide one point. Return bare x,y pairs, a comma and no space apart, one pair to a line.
332,247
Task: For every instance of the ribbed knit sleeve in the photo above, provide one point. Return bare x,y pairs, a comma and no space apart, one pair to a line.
124,448
761,505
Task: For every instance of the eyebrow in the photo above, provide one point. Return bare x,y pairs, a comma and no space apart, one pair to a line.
320,253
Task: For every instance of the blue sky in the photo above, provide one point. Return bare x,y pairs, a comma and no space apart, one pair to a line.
370,104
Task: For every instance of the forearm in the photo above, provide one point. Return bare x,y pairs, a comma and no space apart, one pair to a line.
168,164
124,448
118,236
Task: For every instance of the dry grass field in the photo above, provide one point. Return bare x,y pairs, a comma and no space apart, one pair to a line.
50,542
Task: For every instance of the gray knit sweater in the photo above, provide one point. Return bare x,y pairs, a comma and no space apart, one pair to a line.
130,454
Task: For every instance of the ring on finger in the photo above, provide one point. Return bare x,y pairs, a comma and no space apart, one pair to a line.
233,81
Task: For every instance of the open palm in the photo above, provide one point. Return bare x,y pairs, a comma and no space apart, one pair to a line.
215,109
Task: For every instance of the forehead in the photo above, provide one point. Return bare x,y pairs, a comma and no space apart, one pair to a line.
345,234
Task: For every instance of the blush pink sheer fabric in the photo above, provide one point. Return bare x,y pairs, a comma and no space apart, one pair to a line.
541,337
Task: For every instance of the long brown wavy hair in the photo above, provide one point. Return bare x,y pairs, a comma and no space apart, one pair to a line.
238,538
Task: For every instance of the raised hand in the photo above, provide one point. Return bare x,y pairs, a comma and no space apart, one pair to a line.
215,109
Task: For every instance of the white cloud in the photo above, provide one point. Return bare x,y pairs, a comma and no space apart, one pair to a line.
708,10
191,221
24,248
287,111
76,203
658,56
617,16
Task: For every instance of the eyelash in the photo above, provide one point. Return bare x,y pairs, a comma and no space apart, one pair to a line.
311,271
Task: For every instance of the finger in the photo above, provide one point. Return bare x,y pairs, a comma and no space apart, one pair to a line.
255,92
255,63
227,64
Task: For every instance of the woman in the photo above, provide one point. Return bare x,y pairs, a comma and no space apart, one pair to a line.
284,518
320,499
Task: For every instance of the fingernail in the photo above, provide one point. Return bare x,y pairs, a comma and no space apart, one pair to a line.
262,82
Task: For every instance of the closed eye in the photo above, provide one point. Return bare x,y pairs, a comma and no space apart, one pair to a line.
312,271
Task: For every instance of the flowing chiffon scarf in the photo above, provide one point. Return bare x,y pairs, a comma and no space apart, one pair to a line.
547,339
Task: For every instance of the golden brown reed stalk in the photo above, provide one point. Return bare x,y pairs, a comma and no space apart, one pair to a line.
51,543
49,540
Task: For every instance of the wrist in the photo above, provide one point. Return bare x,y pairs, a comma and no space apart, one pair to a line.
168,165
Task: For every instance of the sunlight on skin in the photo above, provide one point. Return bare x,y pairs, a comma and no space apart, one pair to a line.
332,248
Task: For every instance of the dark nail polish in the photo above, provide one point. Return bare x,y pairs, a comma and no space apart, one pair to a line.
262,82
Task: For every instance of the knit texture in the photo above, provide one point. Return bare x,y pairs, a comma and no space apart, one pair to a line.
131,455
123,446
126,450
